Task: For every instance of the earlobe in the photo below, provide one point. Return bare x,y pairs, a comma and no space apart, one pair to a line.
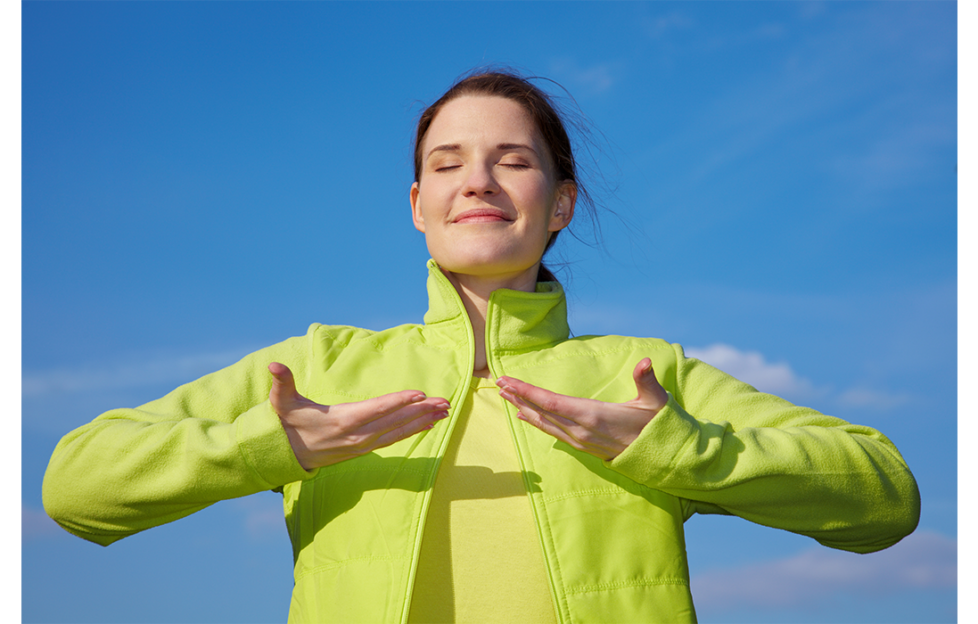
416,214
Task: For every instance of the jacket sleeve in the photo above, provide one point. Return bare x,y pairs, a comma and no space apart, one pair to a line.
212,439
727,448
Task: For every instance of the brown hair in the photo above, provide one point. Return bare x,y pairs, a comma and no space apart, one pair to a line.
541,109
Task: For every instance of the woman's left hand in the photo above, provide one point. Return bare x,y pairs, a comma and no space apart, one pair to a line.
595,427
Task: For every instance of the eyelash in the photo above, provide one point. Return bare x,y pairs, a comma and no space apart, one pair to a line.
516,166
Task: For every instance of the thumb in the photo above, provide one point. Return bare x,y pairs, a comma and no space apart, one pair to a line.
283,392
650,392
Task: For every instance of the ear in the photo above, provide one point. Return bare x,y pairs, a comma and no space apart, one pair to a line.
416,208
564,211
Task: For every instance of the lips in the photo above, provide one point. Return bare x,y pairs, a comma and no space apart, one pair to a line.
482,215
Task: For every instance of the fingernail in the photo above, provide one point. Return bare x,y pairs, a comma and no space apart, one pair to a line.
442,405
418,398
440,415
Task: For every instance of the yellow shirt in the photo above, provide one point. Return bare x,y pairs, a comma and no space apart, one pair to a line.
481,559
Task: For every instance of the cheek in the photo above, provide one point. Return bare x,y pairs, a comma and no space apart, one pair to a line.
545,190
543,198
435,200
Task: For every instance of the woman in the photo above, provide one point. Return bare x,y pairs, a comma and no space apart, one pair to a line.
412,493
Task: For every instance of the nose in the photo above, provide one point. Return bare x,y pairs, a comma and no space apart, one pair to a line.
479,182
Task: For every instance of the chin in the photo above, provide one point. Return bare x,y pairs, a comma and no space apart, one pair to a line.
470,257
488,269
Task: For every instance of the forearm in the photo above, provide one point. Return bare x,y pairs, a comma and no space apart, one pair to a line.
723,445
843,485
116,476
210,440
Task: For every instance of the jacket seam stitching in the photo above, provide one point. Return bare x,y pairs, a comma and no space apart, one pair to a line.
584,493
331,473
587,589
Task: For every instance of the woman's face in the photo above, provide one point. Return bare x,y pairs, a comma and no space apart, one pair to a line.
487,200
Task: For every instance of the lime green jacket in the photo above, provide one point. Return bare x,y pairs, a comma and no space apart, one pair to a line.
611,532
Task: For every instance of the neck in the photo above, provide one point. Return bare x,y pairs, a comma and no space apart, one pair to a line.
474,291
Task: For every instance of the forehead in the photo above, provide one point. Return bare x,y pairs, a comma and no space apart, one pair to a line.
475,119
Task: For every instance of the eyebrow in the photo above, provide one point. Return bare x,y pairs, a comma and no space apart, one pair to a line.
509,146
448,147
455,147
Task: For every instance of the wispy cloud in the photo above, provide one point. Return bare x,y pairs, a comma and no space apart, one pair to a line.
590,79
263,515
924,560
771,30
659,26
810,10
753,368
904,156
779,378
853,87
132,372
874,399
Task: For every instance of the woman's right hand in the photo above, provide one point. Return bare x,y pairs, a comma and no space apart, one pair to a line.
322,435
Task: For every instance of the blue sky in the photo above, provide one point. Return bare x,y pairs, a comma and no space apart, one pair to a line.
777,186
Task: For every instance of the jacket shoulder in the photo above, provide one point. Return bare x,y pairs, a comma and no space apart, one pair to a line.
344,335
611,347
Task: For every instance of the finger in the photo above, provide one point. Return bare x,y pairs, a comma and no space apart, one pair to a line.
572,415
376,410
397,425
570,408
650,392
548,427
283,392
585,443
574,433
526,407
431,409
410,427
281,373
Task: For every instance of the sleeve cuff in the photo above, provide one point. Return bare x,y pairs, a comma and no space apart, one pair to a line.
652,455
266,448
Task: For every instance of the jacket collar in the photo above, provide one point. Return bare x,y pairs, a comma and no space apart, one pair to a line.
515,320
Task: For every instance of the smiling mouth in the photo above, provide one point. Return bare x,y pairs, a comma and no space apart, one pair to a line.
482,215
